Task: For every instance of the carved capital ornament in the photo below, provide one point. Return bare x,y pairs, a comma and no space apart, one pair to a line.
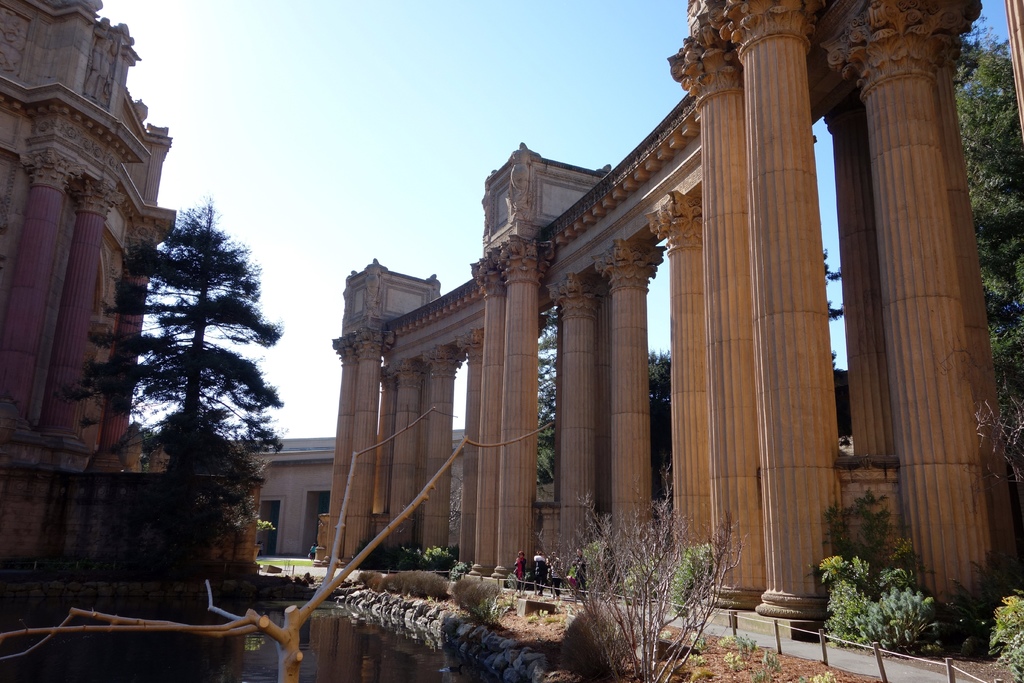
576,295
629,264
707,64
487,272
444,361
524,260
97,196
47,167
680,221
752,20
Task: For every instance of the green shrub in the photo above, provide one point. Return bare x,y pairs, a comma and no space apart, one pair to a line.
583,649
459,570
899,619
1008,635
973,612
480,600
440,559
417,584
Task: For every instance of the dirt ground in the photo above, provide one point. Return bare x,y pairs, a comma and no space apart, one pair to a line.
543,633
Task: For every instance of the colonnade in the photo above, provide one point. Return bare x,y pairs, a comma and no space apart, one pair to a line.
753,405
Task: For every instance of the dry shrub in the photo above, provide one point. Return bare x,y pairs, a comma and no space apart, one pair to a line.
584,645
417,584
372,580
479,599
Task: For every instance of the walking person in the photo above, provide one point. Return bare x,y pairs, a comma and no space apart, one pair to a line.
540,572
520,571
579,566
555,577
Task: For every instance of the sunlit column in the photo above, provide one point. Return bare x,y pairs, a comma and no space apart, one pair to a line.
488,275
473,345
384,454
443,362
576,298
793,369
629,266
345,347
523,263
409,379
895,55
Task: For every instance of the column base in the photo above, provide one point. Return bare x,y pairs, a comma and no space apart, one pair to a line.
787,606
500,572
739,598
481,570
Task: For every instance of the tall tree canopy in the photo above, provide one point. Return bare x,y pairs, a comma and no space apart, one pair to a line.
202,401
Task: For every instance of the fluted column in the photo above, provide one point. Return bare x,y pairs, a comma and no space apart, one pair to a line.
409,378
980,367
358,528
345,347
385,454
443,362
629,266
488,275
795,387
576,297
709,68
603,407
678,220
473,345
870,410
32,276
524,262
95,200
894,54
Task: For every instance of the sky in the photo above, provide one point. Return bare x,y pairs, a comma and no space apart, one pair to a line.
330,132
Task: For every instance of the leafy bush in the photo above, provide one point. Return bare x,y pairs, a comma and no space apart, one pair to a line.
583,646
899,619
866,530
459,570
440,559
973,613
1008,635
480,600
417,584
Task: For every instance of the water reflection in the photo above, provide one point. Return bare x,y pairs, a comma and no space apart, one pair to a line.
337,647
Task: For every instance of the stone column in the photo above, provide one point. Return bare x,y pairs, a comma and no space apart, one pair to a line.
603,407
385,454
488,275
980,367
870,410
895,54
795,386
524,264
629,266
95,200
345,347
409,378
576,297
1015,30
443,362
32,276
678,220
473,345
369,347
709,68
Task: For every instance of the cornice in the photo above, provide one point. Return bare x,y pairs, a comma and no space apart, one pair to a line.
461,297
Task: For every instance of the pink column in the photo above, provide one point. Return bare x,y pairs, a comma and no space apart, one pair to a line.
30,281
76,305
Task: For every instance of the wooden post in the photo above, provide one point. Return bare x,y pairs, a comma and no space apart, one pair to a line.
824,646
733,621
878,658
950,672
778,639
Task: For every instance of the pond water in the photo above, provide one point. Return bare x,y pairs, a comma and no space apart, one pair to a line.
337,648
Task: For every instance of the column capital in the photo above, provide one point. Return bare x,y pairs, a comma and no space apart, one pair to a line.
371,344
48,167
629,264
751,20
577,296
894,38
524,260
96,196
473,345
409,372
345,347
707,63
679,220
444,361
488,274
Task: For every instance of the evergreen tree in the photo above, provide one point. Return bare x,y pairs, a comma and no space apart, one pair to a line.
203,401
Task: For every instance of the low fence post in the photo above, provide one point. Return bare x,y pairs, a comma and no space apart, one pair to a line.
878,658
733,621
950,672
824,646
778,639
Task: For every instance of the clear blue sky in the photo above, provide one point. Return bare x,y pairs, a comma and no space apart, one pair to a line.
330,133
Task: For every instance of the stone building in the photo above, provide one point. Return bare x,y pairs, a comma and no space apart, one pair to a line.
79,180
727,184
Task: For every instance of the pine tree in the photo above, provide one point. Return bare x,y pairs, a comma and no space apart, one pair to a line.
203,402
